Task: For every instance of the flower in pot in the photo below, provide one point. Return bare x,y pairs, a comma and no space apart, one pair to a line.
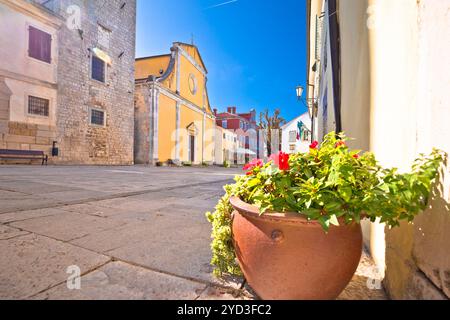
291,226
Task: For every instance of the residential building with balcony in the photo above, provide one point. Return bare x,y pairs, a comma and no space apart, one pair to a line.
245,127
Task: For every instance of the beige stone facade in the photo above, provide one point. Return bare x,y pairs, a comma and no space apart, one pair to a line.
22,76
91,121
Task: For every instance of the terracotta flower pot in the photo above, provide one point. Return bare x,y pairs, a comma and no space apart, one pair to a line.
283,256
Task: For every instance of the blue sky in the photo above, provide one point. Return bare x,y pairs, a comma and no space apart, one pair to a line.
254,50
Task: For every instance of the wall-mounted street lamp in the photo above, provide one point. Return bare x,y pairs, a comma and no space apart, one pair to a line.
310,104
299,91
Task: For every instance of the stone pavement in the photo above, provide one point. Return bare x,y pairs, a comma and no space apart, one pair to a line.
135,233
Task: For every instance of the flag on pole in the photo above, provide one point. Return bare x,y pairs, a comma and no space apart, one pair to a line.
299,130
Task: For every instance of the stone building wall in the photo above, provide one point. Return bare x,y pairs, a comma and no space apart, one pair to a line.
78,141
5,95
26,136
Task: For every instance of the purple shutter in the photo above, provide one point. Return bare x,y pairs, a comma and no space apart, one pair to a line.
33,41
46,47
40,45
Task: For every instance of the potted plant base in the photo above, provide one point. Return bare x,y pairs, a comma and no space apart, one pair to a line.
285,256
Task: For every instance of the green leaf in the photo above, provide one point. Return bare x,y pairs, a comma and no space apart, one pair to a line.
253,182
345,192
384,187
334,220
332,205
311,214
325,222
308,203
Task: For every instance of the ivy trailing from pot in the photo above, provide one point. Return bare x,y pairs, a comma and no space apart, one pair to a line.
331,184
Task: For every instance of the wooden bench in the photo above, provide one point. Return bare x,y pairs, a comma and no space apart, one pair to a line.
23,155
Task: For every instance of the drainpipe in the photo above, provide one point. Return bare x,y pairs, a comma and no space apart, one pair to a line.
335,44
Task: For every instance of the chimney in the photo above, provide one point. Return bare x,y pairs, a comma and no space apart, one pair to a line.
253,115
231,110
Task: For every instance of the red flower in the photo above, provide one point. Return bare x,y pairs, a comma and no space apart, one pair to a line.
281,159
253,164
339,144
356,156
314,145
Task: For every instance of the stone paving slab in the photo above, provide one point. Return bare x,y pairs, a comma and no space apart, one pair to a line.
195,211
29,214
358,290
136,205
125,235
67,226
9,233
217,293
31,187
26,202
185,253
9,195
121,281
93,209
75,195
366,283
33,263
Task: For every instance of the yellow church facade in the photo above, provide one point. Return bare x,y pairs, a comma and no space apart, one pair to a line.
173,118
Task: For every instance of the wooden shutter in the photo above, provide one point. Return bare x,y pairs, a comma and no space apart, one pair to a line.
46,47
40,45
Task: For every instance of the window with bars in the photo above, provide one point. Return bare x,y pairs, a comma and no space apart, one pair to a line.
39,45
38,106
97,117
98,69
